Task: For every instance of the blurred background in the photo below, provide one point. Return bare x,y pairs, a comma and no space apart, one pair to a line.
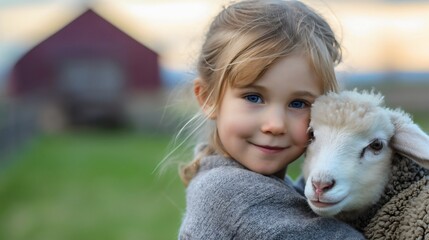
91,96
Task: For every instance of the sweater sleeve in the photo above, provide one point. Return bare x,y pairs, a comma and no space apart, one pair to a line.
290,218
233,203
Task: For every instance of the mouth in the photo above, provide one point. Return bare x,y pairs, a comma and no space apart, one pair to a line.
325,204
269,149
320,204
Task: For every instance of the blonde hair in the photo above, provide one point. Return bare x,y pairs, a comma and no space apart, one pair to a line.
244,40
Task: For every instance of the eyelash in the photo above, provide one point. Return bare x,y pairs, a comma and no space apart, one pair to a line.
303,102
248,96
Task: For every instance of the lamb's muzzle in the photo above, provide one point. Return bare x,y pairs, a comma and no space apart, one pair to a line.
321,187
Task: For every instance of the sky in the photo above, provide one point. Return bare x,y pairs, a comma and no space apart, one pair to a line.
165,26
376,35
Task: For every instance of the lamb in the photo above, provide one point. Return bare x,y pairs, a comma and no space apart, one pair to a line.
367,165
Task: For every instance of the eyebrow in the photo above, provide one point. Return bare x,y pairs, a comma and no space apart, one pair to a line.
301,93
305,94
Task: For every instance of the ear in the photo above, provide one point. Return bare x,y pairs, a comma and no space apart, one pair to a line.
409,139
202,95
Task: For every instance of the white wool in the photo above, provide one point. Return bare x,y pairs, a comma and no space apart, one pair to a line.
342,110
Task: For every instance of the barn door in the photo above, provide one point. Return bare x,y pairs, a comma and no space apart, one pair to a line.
92,89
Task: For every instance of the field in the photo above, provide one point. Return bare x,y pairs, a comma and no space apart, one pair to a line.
90,186
94,185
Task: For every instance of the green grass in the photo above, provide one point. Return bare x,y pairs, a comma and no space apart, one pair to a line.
90,186
422,119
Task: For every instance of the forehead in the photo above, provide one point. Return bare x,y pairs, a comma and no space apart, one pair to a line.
352,113
252,69
291,73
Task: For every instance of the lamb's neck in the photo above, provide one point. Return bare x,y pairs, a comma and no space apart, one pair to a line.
404,173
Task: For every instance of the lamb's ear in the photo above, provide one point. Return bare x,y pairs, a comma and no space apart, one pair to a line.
409,139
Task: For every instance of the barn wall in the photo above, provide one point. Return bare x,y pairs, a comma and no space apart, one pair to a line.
87,69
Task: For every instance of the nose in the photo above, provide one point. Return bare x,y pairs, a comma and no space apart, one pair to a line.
321,187
274,122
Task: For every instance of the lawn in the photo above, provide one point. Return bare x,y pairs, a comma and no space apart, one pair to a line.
90,186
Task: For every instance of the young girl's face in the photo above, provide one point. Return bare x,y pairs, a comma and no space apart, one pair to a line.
264,125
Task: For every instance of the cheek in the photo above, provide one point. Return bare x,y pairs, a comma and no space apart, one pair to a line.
234,125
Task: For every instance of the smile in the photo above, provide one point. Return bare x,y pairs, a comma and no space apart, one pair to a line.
323,204
269,149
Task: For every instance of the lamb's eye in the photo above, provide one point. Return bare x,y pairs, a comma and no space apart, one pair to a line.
376,145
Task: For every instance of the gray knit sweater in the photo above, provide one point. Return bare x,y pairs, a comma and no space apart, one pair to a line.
226,201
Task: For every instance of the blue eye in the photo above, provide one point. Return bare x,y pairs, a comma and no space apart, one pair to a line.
253,98
297,104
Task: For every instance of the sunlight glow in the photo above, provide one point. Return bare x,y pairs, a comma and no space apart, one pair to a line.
375,36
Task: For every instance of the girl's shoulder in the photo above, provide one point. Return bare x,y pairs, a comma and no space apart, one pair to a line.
222,170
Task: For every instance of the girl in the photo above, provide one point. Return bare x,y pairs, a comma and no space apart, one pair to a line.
262,65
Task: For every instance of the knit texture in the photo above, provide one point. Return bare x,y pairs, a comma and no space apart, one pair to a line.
227,201
402,211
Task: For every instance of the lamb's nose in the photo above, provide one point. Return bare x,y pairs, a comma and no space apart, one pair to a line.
321,187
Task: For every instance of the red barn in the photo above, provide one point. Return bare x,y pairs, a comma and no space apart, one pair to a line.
90,67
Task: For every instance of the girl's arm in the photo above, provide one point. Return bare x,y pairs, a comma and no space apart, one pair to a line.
234,203
290,218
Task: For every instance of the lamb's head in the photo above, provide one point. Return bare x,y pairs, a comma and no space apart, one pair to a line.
347,164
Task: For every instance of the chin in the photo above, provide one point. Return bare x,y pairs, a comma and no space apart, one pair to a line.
329,210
